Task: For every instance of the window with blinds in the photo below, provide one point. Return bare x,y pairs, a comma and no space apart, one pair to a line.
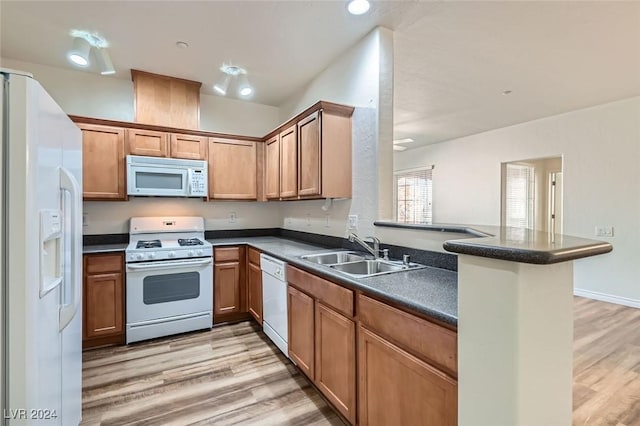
414,192
519,196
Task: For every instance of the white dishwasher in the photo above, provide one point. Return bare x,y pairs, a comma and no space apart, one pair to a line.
274,301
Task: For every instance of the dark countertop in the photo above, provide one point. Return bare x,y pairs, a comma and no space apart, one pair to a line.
430,291
528,246
103,248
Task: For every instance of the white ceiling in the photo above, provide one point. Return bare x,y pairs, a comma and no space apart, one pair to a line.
452,59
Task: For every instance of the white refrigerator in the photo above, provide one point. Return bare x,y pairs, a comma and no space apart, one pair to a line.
41,257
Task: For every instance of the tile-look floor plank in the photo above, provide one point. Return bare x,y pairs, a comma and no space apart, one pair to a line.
229,375
233,375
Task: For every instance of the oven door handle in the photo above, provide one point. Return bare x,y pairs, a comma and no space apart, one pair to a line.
168,265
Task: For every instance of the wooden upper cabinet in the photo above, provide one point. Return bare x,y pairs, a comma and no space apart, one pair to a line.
166,101
335,133
272,168
289,163
188,147
232,169
103,162
309,155
149,143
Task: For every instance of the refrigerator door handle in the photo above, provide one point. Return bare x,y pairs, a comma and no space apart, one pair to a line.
69,183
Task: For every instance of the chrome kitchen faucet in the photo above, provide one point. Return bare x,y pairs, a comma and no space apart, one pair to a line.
375,251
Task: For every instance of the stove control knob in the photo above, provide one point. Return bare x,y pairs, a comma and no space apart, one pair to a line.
152,255
199,252
190,253
139,256
172,254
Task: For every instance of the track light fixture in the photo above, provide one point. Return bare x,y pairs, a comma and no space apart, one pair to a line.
79,53
104,61
83,41
228,73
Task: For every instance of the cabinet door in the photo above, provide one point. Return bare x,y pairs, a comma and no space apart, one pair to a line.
272,169
103,305
335,354
309,155
288,163
226,284
147,142
398,388
103,163
188,147
301,330
232,169
255,292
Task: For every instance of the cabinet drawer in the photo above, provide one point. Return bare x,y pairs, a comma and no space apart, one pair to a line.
436,344
333,295
99,264
254,256
226,254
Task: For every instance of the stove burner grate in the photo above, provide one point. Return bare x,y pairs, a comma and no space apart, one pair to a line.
189,242
149,244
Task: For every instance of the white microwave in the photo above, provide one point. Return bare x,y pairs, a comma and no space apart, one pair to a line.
166,177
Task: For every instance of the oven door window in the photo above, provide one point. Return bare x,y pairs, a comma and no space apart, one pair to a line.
159,180
170,287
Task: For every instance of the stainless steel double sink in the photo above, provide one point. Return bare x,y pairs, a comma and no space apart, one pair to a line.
358,265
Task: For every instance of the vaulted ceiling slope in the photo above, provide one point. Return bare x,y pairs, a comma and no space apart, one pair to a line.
453,60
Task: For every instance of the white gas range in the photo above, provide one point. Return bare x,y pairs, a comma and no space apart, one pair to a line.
169,277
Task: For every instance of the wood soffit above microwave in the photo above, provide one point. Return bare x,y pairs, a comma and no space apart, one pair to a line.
164,100
321,105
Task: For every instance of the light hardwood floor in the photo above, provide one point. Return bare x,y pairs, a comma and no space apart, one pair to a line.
234,375
606,364
230,375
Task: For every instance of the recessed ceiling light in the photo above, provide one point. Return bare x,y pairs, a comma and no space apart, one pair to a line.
358,7
399,148
182,44
405,140
506,92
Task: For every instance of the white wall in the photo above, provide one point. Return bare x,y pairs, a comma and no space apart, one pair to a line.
361,77
600,147
93,95
111,217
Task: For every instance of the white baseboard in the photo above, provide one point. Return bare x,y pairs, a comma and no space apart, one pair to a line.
634,303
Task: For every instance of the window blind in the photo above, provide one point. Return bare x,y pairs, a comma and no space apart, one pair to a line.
414,192
519,199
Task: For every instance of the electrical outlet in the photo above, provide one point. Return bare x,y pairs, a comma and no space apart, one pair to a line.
604,231
232,217
308,219
353,221
327,221
85,219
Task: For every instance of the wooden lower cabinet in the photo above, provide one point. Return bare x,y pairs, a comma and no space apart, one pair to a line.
254,291
301,330
227,288
397,388
229,284
335,353
103,299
